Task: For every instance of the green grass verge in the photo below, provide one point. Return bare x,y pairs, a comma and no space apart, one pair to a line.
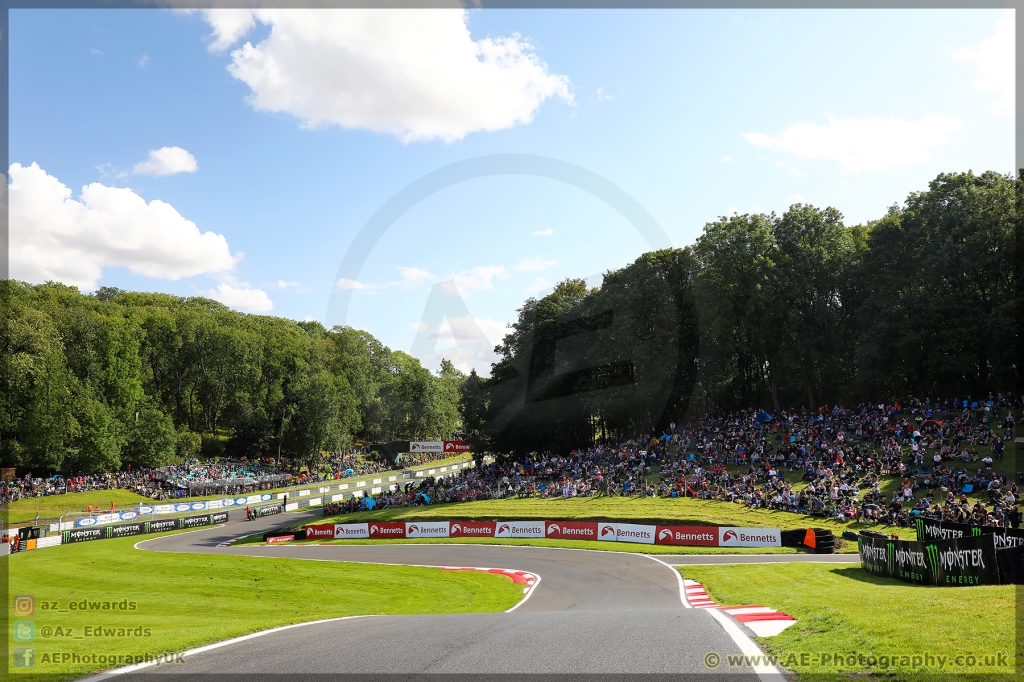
52,506
846,611
188,600
679,511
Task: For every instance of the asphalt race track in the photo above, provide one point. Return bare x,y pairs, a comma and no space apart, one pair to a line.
591,612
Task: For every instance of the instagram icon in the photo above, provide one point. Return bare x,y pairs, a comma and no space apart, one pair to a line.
24,605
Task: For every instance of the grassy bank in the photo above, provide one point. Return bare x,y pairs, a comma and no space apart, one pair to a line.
188,600
679,511
845,611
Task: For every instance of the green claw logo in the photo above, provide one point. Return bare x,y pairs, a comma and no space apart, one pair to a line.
890,556
932,552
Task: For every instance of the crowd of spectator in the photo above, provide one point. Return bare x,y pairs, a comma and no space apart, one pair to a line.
231,476
833,462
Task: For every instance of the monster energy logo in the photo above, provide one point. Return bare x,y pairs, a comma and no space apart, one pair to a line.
975,530
890,552
932,551
920,528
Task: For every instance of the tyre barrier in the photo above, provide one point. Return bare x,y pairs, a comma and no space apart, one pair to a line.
820,540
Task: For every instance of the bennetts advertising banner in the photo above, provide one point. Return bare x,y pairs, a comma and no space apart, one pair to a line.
696,536
948,563
930,529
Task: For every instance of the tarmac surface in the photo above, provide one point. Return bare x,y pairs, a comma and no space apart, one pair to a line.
616,614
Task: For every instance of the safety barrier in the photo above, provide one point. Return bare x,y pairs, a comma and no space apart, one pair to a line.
963,561
699,536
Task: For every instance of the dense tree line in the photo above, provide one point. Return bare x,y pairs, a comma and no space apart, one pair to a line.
797,310
97,382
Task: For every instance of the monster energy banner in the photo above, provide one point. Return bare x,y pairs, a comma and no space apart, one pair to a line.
162,525
268,509
82,535
962,561
930,529
126,529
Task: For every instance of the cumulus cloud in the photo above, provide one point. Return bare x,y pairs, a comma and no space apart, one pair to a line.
871,144
167,161
464,340
537,263
543,233
994,64
345,283
480,278
415,274
726,159
240,296
415,74
56,237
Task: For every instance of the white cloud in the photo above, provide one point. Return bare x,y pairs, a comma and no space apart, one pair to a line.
726,159
539,284
309,318
415,74
479,278
98,53
732,210
143,61
603,96
55,237
537,263
167,161
796,199
415,274
543,233
871,144
345,283
241,296
229,26
281,284
994,63
467,342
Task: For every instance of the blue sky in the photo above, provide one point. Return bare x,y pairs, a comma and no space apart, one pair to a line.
236,156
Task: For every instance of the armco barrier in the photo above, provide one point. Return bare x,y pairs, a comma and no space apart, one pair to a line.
141,528
299,498
696,536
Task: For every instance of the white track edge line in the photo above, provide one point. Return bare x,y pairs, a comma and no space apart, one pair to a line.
216,645
679,577
766,673
529,593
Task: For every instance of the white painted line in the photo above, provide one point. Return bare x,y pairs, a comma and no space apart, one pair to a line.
164,537
679,577
765,672
748,609
529,593
210,647
769,628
